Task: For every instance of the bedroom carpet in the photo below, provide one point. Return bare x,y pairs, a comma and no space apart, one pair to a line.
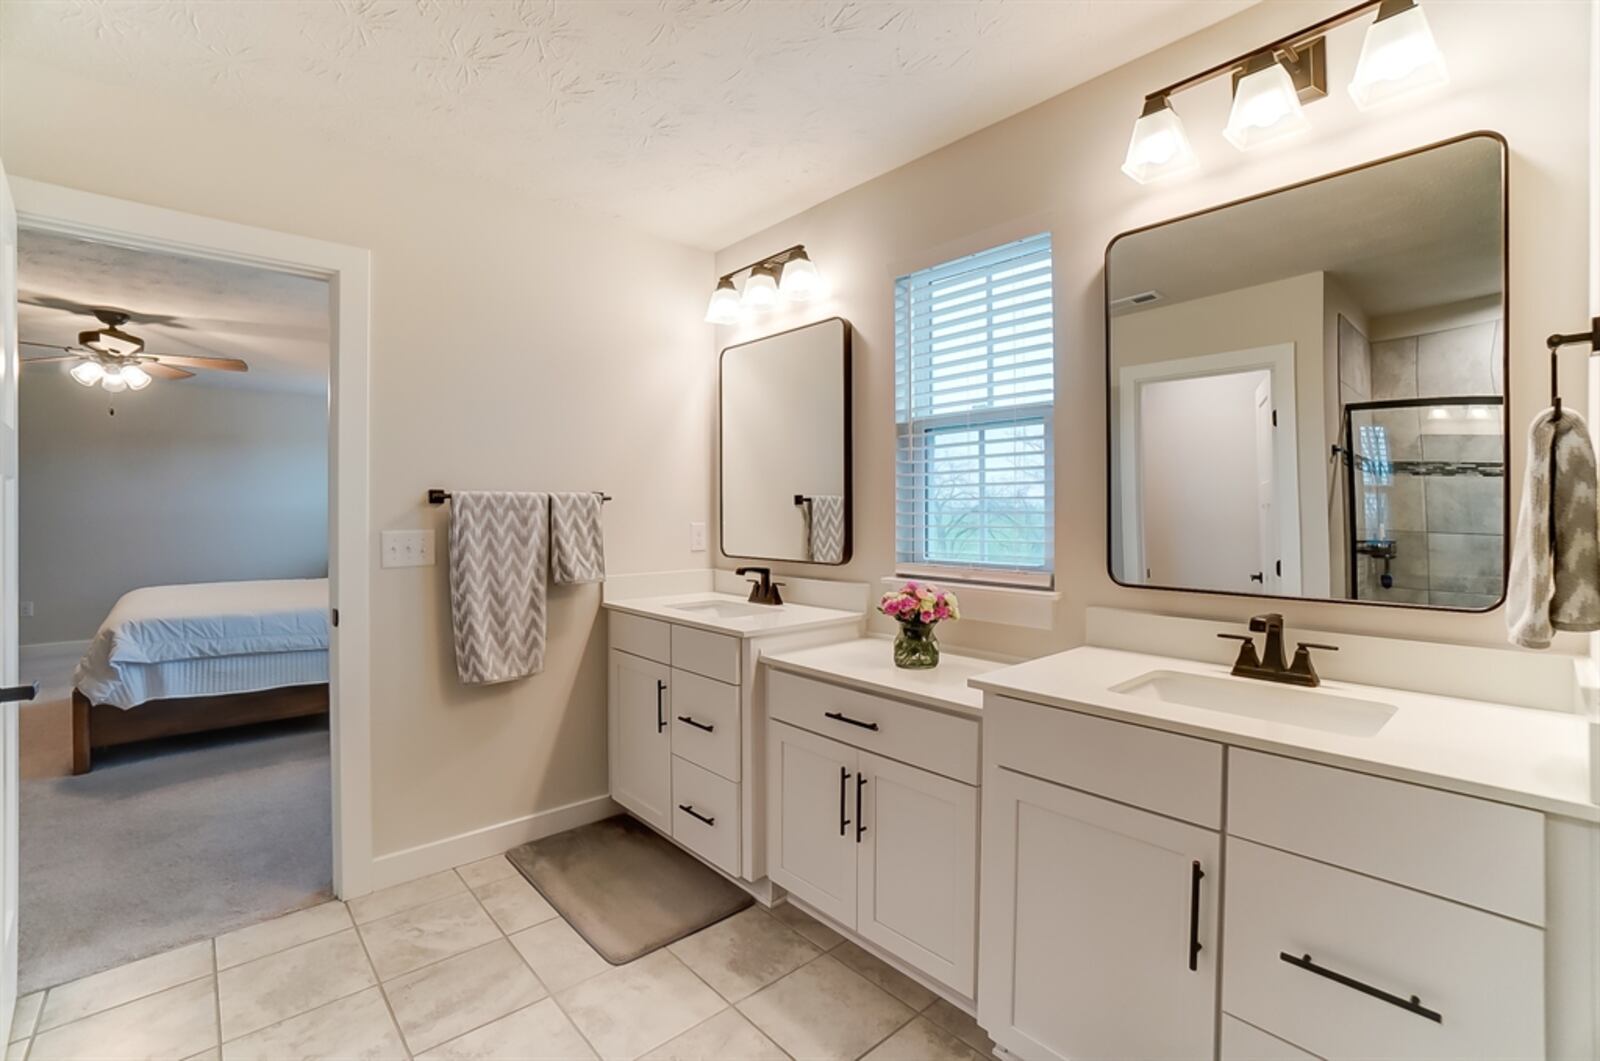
171,842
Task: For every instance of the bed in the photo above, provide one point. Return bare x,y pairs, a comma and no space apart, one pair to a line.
172,660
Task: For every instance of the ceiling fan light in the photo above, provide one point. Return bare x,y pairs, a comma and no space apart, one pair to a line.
87,373
1398,56
801,281
724,307
135,377
112,381
760,290
1266,105
1159,148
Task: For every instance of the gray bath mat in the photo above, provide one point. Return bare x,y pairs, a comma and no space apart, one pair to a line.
625,889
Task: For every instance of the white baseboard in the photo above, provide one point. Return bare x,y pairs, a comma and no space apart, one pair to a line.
413,862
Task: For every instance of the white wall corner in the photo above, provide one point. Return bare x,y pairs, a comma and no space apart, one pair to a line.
1034,609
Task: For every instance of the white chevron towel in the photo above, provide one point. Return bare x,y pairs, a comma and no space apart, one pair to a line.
577,539
499,564
1555,562
825,529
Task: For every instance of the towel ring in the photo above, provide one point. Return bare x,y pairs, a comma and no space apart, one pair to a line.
1555,343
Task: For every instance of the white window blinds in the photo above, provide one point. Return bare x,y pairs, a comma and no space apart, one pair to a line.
974,392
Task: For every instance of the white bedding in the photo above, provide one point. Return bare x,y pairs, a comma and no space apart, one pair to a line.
208,639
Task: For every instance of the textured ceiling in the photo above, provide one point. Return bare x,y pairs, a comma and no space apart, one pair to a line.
700,120
189,306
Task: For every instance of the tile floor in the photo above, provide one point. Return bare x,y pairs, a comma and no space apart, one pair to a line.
473,963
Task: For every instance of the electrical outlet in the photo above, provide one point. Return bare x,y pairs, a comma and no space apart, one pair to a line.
408,548
26,608
697,537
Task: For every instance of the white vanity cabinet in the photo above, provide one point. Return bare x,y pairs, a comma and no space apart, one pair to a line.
640,698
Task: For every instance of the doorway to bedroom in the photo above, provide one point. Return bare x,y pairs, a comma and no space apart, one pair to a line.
173,499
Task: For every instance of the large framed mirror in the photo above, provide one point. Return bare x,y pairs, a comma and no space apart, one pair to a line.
1306,390
785,446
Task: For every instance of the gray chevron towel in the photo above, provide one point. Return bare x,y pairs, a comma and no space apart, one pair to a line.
577,539
825,529
499,563
1555,563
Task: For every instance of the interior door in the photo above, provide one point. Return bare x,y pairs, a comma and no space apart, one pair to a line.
641,744
1266,488
811,830
9,765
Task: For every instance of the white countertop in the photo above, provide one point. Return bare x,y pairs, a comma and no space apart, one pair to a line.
867,664
772,619
1524,756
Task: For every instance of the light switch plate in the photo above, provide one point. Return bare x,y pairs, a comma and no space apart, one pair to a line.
697,537
407,548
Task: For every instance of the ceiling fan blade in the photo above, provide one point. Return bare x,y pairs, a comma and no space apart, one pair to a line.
47,346
218,364
160,371
51,359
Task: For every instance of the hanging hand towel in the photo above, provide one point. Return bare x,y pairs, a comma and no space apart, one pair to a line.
825,529
499,563
1555,563
577,539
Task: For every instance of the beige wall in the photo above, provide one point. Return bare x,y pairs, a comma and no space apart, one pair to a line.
186,483
1521,68
507,352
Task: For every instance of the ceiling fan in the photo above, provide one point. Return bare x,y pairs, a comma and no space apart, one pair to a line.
117,360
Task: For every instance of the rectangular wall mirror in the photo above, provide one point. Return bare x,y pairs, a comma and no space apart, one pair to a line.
785,446
1307,389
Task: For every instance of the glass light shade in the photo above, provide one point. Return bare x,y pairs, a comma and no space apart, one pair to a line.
1398,57
135,377
1266,107
760,290
113,381
800,281
724,307
87,373
1159,147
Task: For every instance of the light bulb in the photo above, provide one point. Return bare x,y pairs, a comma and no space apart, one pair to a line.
1398,57
760,290
1266,106
801,281
724,307
112,380
135,377
1159,147
87,373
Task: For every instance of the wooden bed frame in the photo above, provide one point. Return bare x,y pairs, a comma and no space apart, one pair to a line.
105,726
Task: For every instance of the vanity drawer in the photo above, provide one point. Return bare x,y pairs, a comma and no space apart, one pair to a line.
921,736
705,723
705,814
1246,1042
638,636
713,655
1475,851
1481,974
1164,772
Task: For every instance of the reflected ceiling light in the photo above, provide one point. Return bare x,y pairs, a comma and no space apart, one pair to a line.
1398,57
724,308
801,281
1266,105
1159,147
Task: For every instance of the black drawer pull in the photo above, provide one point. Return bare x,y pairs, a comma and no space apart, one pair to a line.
837,717
844,783
691,812
661,718
1196,875
1410,1005
687,721
861,825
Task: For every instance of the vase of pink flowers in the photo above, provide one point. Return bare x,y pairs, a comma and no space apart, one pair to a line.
918,608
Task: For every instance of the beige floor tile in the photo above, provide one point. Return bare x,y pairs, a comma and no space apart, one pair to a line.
405,896
922,1040
481,872
17,1050
540,1031
213,1054
286,984
177,1022
514,903
961,1025
637,1007
125,983
425,934
807,926
823,1010
726,1037
26,1015
744,953
884,975
358,1027
559,956
281,933
459,994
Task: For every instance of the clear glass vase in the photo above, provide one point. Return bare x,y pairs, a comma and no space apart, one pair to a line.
916,647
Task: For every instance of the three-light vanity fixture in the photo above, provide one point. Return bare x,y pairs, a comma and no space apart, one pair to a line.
789,274
1271,83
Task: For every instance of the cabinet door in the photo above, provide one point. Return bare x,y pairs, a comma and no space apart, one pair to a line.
640,697
811,820
917,870
1092,911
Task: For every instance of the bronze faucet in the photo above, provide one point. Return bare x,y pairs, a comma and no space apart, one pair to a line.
1271,666
764,590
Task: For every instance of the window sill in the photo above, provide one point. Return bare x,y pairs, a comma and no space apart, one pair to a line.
1005,605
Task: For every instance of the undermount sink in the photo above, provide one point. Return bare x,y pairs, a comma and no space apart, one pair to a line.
722,609
1309,708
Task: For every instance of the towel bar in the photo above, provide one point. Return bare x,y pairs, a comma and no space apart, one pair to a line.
437,496
1555,343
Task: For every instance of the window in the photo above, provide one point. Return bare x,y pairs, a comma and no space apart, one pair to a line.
974,396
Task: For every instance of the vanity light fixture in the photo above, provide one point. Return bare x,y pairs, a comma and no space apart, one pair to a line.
724,308
801,282
1273,82
788,275
760,289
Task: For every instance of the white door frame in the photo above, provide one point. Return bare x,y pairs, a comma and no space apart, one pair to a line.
65,211
1278,360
